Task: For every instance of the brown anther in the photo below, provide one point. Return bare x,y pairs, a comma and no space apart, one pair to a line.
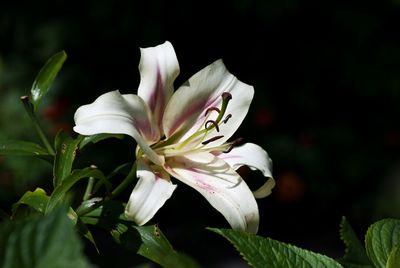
233,144
212,109
226,96
227,118
212,122
212,139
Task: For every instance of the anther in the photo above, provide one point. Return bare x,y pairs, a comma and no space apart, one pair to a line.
212,122
227,118
233,144
212,109
212,139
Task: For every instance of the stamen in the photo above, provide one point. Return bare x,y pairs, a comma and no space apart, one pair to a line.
227,118
212,122
212,109
233,144
212,139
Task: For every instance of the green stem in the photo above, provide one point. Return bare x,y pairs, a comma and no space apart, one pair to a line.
128,179
89,188
29,109
108,178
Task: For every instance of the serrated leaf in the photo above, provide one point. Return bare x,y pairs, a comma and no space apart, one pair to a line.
45,78
355,255
66,184
262,252
22,148
147,241
98,137
66,148
37,200
381,239
48,241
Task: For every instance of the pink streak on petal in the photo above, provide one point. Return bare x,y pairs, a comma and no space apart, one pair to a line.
189,111
195,109
146,130
157,99
200,182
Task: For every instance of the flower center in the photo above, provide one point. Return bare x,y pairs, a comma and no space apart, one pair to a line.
199,140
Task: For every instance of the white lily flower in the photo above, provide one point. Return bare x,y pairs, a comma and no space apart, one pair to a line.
184,134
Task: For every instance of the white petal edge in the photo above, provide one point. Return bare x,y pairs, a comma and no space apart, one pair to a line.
158,69
119,114
185,112
256,158
223,188
152,190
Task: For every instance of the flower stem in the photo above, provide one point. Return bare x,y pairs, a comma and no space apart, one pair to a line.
29,109
89,188
128,179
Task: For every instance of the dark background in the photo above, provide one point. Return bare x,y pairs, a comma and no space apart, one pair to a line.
326,107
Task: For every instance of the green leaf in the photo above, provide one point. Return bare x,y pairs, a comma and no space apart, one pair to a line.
66,148
355,255
266,252
87,205
394,258
110,212
60,191
45,78
147,241
157,248
22,148
381,239
48,241
37,200
84,230
98,137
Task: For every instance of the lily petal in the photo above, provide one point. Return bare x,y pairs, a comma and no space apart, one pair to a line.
186,111
223,188
153,188
256,158
119,114
158,69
